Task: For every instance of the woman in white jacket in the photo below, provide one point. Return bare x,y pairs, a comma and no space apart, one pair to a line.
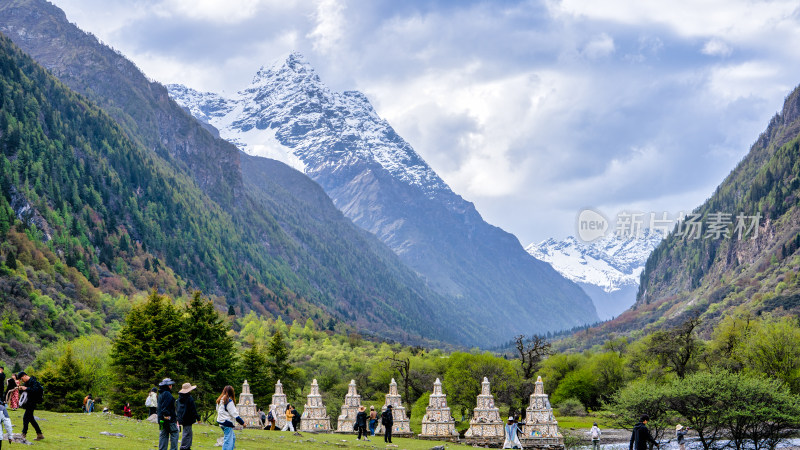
226,415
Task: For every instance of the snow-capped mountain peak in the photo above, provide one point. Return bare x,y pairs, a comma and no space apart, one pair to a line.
288,114
610,265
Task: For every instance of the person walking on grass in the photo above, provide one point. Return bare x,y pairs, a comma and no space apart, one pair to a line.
387,420
187,414
34,394
226,415
641,435
289,425
361,423
152,401
373,420
167,417
595,434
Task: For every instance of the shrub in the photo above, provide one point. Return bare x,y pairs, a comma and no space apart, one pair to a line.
571,407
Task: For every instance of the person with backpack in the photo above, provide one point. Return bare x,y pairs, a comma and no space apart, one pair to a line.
595,433
167,416
271,420
387,420
295,419
33,392
187,414
152,401
641,435
361,423
226,415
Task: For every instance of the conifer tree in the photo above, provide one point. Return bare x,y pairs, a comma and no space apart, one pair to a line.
208,352
147,349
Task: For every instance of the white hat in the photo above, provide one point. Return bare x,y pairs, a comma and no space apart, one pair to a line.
186,388
679,427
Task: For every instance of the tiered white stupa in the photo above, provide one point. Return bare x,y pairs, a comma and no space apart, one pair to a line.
315,417
486,426
540,428
437,422
401,426
278,405
349,410
247,408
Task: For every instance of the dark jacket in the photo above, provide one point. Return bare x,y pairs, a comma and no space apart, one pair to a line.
166,406
681,435
186,410
295,419
35,393
12,383
387,419
361,419
640,437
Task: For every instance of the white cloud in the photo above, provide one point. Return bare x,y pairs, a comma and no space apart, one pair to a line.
600,46
330,24
716,47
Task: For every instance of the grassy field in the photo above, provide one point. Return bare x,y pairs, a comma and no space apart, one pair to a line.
585,422
82,431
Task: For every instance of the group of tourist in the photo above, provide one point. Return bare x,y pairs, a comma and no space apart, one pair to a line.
22,390
364,425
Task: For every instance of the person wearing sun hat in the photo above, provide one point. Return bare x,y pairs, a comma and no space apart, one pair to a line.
167,417
512,438
187,414
680,433
361,423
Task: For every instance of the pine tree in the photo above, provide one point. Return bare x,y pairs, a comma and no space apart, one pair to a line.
208,350
278,364
147,349
66,384
253,368
11,260
231,311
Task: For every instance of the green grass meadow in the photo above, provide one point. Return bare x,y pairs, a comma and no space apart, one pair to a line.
82,431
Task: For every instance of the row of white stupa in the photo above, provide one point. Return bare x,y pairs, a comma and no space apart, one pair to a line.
539,429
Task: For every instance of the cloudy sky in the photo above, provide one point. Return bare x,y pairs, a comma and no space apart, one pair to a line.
530,109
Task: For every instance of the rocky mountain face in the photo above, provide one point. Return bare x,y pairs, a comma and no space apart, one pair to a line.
378,181
607,269
159,188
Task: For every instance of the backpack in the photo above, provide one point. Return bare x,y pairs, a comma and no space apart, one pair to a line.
385,418
270,417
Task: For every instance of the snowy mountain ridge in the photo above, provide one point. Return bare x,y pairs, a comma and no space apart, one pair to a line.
263,120
610,264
